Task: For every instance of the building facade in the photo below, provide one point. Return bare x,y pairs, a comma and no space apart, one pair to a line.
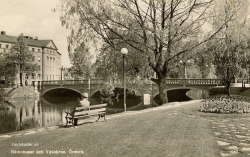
45,53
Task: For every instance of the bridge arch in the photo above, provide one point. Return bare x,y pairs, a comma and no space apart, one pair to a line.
183,94
55,88
188,87
174,88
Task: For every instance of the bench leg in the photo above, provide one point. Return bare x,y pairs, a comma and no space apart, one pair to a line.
75,122
104,116
98,117
101,115
66,122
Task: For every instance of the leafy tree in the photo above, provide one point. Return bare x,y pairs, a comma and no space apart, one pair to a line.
7,72
19,59
81,62
232,53
155,29
2,67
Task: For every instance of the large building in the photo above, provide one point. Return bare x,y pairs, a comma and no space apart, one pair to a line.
45,53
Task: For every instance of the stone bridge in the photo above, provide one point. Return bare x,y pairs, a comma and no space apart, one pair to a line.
91,86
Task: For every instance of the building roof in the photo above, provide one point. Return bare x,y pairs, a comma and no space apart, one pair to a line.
8,38
30,41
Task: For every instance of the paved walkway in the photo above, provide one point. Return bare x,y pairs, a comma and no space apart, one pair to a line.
233,136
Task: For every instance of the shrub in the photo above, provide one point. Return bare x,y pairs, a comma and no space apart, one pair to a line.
226,104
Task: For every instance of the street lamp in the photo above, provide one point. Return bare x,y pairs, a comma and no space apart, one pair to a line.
185,67
124,52
62,68
210,66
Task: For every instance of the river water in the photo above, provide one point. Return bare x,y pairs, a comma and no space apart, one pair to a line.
25,113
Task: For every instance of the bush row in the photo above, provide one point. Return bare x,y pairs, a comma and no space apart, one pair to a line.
226,104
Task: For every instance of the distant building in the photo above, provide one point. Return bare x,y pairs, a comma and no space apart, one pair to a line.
45,53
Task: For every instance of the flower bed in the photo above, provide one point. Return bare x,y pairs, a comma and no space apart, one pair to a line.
226,104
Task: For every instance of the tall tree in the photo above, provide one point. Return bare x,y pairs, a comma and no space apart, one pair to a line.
155,29
233,51
81,62
19,58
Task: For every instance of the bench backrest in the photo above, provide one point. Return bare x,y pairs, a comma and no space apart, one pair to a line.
89,109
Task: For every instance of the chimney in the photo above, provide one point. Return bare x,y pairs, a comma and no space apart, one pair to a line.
36,37
3,32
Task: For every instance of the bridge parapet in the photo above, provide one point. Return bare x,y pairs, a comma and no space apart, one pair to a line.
168,81
205,81
64,82
194,81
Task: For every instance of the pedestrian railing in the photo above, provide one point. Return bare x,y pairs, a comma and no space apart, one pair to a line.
168,81
194,81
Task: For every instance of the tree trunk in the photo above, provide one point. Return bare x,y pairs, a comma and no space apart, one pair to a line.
21,79
228,88
163,91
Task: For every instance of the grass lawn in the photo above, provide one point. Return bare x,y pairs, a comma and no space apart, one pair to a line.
174,132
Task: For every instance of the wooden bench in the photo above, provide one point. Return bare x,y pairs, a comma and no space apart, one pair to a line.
83,112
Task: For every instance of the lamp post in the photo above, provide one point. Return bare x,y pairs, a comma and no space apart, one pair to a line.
185,67
210,66
62,68
124,52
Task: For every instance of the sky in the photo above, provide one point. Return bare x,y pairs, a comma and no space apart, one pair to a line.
35,18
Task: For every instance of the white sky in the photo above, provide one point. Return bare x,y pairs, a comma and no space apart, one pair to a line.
35,18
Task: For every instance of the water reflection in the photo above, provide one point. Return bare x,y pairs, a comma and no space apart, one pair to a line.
197,94
21,114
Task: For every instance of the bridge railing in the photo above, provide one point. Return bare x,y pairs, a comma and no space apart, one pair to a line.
206,81
96,81
65,82
168,81
195,81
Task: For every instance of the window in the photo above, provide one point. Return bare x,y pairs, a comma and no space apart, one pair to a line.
39,59
33,76
33,58
39,75
7,46
26,76
33,110
39,107
33,49
39,67
38,50
0,45
27,111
